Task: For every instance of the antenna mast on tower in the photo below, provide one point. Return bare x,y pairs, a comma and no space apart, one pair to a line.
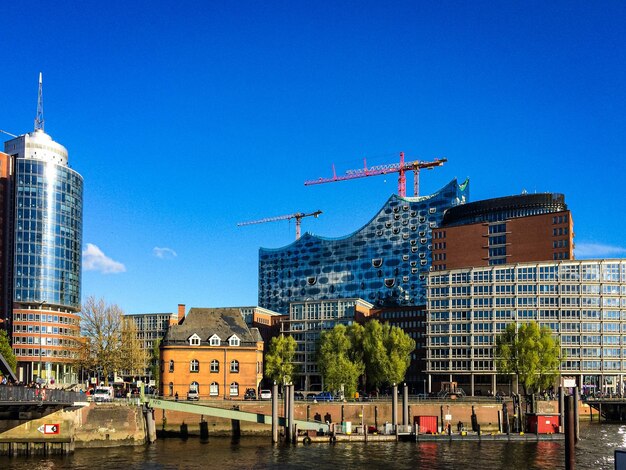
39,117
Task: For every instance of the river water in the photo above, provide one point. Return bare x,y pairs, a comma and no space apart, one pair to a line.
594,451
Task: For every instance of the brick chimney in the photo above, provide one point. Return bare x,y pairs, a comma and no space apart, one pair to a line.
181,313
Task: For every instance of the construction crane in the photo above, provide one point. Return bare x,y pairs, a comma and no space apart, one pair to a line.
400,168
298,216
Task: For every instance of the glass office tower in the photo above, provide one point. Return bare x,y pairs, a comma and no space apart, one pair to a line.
385,262
47,215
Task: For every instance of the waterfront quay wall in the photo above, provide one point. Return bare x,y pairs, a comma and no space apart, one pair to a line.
370,413
97,425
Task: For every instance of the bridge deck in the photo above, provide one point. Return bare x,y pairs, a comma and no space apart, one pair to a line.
207,410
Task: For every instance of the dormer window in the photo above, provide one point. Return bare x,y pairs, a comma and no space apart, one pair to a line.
234,341
194,340
215,340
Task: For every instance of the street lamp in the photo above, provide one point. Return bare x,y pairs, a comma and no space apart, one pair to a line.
39,306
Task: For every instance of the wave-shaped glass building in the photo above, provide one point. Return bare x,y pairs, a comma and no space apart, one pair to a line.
385,262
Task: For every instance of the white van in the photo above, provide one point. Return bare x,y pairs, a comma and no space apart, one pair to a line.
102,394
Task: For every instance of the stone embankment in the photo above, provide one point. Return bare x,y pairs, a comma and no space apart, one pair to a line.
98,425
375,413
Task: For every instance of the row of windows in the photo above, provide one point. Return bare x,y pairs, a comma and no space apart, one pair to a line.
611,272
44,318
214,389
214,340
28,352
194,366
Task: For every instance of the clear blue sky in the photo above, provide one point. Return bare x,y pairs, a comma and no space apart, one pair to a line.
187,117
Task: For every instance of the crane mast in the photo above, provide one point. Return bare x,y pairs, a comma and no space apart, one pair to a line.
298,216
400,168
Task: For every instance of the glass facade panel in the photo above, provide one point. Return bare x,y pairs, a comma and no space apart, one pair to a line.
384,262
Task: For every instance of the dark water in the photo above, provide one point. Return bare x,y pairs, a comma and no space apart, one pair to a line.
595,451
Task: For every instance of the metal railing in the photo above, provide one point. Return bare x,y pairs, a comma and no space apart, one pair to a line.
18,394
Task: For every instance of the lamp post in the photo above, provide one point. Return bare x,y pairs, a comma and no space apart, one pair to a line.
39,306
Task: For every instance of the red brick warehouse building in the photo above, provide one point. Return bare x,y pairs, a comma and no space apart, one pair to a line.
512,229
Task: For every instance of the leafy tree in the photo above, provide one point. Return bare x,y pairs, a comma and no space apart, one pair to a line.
155,362
135,357
387,351
7,351
531,353
337,362
101,326
279,365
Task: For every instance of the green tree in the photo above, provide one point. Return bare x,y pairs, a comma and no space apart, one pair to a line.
387,353
279,365
529,352
337,362
155,362
7,351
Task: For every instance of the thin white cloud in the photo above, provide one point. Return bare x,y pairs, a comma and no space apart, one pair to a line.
597,250
164,253
95,260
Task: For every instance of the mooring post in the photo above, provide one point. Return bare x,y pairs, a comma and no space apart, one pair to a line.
499,421
576,415
394,406
287,413
405,405
570,434
274,413
376,417
561,407
292,413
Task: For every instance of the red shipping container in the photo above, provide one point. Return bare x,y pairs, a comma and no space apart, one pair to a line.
543,424
426,424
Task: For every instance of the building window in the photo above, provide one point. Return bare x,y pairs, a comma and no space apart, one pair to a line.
234,341
171,387
194,340
195,386
214,389
234,366
194,366
215,340
234,389
215,365
172,365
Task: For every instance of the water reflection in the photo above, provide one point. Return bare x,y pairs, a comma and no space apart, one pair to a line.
595,450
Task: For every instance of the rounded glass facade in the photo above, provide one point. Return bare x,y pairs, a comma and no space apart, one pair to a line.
48,233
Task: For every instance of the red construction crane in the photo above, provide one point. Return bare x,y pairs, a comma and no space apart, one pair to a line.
298,216
399,168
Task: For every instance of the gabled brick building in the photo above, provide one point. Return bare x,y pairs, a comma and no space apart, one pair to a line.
213,351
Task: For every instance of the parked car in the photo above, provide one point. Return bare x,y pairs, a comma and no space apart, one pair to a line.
324,396
193,395
298,396
250,394
265,395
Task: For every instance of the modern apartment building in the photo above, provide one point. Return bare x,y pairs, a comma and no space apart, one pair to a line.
41,254
307,320
583,302
385,262
505,230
